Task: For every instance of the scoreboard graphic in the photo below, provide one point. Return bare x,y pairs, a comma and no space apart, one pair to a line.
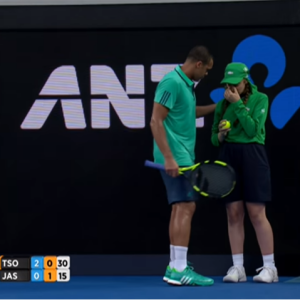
35,269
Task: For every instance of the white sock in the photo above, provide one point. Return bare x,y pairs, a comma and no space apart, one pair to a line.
238,260
172,256
180,262
269,261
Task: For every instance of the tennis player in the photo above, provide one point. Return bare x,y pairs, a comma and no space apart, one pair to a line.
242,146
173,126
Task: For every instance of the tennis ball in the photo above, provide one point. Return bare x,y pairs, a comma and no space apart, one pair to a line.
226,125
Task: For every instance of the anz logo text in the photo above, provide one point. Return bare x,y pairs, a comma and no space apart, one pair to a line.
265,50
106,90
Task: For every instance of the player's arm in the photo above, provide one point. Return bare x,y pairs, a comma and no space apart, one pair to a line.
159,114
252,124
165,98
205,110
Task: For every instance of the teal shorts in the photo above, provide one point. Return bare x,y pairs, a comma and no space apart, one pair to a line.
179,189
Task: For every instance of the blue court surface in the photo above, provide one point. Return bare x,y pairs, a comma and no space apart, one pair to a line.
147,288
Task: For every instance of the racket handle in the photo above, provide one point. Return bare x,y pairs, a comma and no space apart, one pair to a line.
153,165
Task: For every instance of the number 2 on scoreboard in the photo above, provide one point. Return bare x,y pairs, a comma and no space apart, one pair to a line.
36,263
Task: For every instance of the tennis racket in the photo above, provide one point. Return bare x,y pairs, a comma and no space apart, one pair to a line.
212,179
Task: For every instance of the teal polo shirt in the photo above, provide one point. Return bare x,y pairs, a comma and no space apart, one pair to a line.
176,92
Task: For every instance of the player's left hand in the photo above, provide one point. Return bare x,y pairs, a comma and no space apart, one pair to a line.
232,95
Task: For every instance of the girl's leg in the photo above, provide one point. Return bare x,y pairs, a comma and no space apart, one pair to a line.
235,217
264,234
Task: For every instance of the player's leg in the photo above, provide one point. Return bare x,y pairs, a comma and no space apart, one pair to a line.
258,191
172,250
175,188
182,197
231,154
179,234
173,237
180,227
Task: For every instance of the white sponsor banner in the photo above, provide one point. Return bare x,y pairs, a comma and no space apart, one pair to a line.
107,92
105,2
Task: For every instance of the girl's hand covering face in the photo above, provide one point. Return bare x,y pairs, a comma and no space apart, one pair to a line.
231,94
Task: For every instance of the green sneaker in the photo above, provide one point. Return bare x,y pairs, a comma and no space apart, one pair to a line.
167,274
189,277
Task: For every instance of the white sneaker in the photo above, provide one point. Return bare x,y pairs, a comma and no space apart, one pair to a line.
266,275
235,274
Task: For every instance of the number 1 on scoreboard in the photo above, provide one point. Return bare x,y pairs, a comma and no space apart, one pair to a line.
50,275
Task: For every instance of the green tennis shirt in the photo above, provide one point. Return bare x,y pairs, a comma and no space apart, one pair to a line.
176,92
252,118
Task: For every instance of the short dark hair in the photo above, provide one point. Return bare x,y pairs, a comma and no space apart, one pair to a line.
200,53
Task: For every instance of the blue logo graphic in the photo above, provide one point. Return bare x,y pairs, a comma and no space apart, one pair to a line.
260,49
284,106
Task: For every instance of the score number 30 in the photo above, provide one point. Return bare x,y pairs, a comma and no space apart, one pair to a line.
63,265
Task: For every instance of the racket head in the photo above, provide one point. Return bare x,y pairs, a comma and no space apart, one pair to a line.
213,179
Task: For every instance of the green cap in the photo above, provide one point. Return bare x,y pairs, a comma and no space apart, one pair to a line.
235,73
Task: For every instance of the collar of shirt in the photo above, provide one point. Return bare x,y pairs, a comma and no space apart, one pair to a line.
188,81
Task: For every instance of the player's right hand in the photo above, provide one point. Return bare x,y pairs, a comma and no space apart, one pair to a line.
171,167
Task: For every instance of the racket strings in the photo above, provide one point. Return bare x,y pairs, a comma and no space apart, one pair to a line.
214,179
